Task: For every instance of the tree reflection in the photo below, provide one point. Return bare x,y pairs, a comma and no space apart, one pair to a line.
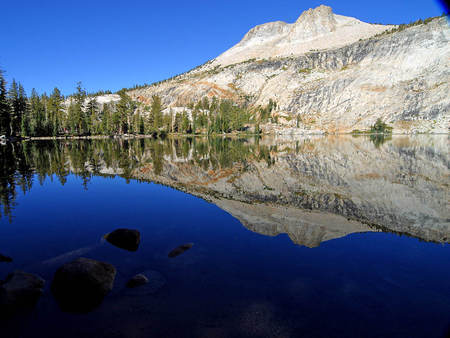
22,164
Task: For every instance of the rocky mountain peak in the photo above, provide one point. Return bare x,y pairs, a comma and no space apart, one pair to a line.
313,23
321,13
316,28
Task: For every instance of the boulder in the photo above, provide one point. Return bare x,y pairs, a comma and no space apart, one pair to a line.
125,239
5,259
137,280
20,290
81,285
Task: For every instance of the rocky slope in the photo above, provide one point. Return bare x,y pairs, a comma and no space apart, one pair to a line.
329,73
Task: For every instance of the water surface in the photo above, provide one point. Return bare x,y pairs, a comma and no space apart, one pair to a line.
316,237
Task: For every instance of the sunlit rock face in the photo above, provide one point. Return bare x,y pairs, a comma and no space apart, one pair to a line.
316,28
323,188
328,73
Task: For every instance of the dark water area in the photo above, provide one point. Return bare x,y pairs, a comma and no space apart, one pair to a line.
314,237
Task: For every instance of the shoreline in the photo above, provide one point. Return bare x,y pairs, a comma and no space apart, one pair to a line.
124,137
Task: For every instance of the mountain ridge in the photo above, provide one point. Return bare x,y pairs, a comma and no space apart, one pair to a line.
400,75
314,29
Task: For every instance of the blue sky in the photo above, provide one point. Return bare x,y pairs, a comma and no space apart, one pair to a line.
111,45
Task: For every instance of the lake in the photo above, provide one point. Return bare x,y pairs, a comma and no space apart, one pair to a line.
334,236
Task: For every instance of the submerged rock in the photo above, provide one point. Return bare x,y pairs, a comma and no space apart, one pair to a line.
5,259
20,290
137,280
81,285
155,281
179,250
125,239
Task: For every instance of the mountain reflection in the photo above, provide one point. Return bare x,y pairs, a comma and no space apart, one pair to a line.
314,189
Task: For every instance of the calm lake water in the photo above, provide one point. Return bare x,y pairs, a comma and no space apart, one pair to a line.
313,237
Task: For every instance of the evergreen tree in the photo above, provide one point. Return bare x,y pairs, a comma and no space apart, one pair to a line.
5,117
185,124
55,112
15,109
141,125
107,121
177,123
91,116
37,115
81,119
194,120
124,111
23,108
156,112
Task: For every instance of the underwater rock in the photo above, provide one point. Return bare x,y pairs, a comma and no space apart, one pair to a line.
179,250
5,259
81,285
20,290
137,280
155,282
125,239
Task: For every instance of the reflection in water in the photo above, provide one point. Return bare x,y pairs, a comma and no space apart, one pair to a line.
313,189
377,139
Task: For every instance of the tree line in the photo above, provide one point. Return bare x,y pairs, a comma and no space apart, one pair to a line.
80,114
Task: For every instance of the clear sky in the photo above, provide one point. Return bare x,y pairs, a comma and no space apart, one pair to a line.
115,44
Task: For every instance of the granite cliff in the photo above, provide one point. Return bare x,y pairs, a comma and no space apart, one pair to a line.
328,73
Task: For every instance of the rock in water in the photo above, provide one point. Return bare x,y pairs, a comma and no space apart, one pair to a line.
181,249
81,285
137,280
5,259
155,282
19,290
125,239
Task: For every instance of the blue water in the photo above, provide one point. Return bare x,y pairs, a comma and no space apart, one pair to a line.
232,283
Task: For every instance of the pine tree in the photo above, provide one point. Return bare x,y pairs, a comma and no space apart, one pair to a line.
15,112
124,111
5,117
156,112
23,108
91,116
177,123
77,114
37,115
141,125
185,124
55,112
194,120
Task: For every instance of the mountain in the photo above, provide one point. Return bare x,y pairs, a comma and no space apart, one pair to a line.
315,29
328,73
